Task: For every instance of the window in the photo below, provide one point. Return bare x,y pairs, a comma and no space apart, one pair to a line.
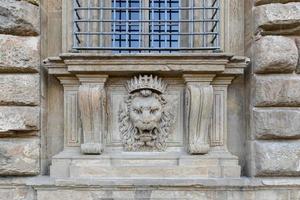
146,26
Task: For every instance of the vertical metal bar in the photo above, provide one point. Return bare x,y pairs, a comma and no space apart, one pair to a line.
152,24
218,25
88,23
140,24
191,23
166,23
114,23
179,24
101,42
75,42
203,23
127,24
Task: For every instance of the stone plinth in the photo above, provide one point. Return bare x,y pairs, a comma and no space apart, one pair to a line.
72,164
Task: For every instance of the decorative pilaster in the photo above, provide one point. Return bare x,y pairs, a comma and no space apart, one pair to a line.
72,128
92,100
199,102
218,134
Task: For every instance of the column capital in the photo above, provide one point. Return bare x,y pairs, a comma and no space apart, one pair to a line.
198,78
223,80
92,78
68,80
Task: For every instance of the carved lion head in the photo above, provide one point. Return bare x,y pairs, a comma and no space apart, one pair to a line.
145,121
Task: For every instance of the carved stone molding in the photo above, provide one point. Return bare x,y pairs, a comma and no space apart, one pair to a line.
199,102
92,104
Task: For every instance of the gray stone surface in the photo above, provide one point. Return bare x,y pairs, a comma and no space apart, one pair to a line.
19,89
18,119
19,54
275,54
261,2
19,18
17,193
276,123
277,158
298,46
276,90
278,18
19,156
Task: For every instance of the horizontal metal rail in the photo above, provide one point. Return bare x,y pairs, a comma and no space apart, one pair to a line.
145,26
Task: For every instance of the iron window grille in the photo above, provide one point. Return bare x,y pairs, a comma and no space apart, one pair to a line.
146,26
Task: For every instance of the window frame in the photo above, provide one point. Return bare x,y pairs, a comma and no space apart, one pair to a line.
67,28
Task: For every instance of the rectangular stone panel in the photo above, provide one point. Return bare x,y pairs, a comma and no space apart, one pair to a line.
117,93
19,89
276,90
19,156
276,123
19,54
18,119
277,158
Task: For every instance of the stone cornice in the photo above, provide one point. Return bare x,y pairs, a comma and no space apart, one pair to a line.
171,64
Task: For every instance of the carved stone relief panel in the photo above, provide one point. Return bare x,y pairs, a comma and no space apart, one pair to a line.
145,117
117,92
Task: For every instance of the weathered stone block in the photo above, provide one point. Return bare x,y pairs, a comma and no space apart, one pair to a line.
298,46
275,54
19,18
11,192
276,90
19,89
18,119
19,54
277,158
261,2
278,18
19,156
276,123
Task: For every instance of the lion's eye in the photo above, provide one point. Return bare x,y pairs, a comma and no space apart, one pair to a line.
138,111
153,111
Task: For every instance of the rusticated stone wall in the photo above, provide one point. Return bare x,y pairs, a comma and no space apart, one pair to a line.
19,88
274,88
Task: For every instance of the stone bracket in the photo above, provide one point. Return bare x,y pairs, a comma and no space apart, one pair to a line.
92,104
199,104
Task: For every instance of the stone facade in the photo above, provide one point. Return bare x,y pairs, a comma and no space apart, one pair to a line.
273,90
60,122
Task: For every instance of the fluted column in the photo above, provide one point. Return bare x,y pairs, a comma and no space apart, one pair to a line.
218,134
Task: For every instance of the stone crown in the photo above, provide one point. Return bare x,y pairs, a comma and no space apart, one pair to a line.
146,82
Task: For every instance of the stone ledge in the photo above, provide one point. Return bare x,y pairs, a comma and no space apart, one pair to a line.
171,64
277,19
46,181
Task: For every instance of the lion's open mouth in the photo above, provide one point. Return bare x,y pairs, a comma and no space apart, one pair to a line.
146,135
